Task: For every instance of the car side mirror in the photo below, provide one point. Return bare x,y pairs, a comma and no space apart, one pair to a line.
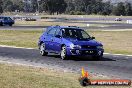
92,37
58,36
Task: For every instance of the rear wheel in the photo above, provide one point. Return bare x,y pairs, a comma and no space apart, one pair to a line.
1,24
63,53
42,50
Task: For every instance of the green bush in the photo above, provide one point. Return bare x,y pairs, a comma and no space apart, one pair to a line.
76,13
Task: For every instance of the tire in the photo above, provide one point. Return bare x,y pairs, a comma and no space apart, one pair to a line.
42,50
10,24
63,54
1,24
97,57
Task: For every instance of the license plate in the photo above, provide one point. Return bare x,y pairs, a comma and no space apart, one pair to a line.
89,52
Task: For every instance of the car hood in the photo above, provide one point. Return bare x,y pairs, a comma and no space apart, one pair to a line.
84,42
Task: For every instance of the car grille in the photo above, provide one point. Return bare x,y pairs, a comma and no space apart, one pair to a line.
88,47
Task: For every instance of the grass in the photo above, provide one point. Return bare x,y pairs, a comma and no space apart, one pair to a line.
118,42
14,76
47,23
84,16
51,22
20,38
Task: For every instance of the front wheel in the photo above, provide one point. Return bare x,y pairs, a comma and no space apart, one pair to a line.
42,50
63,53
10,24
97,57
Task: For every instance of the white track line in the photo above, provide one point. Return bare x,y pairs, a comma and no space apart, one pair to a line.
36,49
118,54
8,62
15,47
118,30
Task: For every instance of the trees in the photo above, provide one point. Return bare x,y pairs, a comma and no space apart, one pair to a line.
97,6
55,6
17,5
43,6
1,5
128,9
34,6
11,5
70,6
124,9
8,5
119,9
106,8
66,6
90,6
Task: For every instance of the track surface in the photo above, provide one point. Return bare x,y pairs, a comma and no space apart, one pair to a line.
108,26
111,65
112,27
104,21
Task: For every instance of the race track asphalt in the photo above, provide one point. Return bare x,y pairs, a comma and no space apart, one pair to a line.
43,27
108,26
114,66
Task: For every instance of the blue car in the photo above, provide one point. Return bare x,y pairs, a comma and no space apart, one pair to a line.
6,21
69,41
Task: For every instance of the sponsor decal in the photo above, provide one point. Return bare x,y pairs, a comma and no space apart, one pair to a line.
86,81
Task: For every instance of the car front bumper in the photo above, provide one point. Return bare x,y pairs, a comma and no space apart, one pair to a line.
84,52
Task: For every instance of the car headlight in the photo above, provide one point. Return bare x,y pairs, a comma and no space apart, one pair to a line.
72,46
99,47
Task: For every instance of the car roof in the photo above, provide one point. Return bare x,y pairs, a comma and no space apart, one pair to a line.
4,17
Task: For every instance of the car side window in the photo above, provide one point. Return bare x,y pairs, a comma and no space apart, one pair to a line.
84,35
57,32
51,32
9,18
5,18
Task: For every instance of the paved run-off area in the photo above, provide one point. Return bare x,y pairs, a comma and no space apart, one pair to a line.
112,66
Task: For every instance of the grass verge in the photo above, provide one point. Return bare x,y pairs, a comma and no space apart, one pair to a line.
118,42
84,16
113,41
20,38
47,23
14,76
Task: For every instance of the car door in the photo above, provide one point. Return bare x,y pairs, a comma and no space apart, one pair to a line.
6,20
49,39
45,38
57,41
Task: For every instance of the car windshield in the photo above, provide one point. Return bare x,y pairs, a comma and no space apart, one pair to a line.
75,33
7,18
1,18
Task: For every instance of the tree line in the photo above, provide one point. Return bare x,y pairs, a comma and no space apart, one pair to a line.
73,7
